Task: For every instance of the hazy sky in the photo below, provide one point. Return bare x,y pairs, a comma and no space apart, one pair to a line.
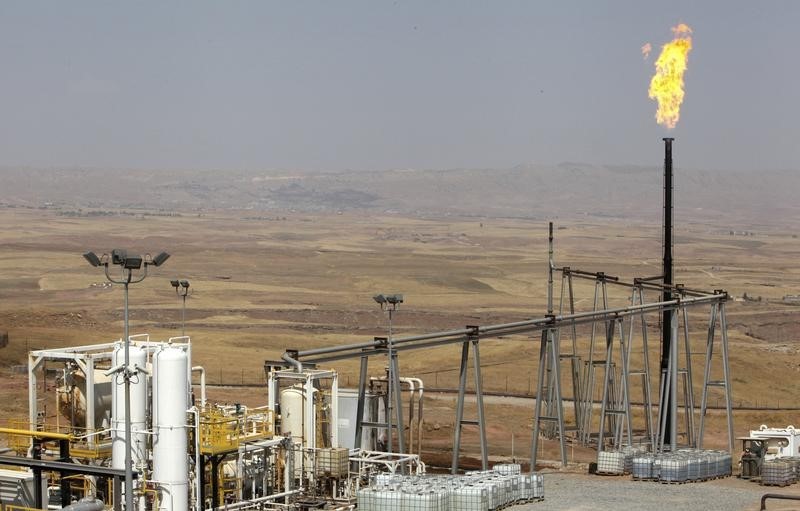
334,85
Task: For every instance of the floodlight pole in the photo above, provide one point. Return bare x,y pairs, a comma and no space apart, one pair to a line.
390,380
183,313
126,376
128,265
127,379
182,290
183,317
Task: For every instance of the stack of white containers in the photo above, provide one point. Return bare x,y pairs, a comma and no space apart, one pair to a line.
474,491
777,472
642,467
610,463
794,461
684,465
628,454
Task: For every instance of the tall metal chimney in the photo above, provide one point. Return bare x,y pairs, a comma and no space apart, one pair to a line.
666,408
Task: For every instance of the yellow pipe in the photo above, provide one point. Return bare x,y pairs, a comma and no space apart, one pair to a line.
37,434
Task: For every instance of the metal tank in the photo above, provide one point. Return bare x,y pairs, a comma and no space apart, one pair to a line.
295,424
293,402
170,450
72,398
346,422
137,358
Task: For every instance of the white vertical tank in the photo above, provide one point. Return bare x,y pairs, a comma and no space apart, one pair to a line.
293,402
294,423
137,358
346,422
170,454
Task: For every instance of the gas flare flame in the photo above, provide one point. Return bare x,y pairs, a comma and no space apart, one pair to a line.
646,49
666,87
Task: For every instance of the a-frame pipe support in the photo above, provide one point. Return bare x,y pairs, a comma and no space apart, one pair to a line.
717,313
473,341
548,353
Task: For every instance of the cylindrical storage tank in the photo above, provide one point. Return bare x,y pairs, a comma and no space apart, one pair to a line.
346,422
72,399
293,400
170,453
137,358
293,423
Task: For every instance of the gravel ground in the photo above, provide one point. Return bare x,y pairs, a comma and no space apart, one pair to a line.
577,492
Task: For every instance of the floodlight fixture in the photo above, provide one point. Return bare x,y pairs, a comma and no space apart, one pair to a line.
182,290
118,256
394,299
92,258
388,301
159,259
132,263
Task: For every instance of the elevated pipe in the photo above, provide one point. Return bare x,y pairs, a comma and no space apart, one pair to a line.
413,388
412,385
533,323
421,395
449,337
43,435
268,498
288,357
202,371
198,481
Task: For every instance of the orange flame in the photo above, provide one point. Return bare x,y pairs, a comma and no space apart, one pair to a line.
646,49
666,87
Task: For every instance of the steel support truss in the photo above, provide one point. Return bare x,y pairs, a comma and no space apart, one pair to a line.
618,323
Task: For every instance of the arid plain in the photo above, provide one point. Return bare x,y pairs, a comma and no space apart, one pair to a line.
264,282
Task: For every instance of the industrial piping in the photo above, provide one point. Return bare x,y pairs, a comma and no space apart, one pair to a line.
202,371
342,352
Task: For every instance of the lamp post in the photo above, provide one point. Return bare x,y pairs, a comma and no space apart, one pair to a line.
182,290
128,263
389,305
